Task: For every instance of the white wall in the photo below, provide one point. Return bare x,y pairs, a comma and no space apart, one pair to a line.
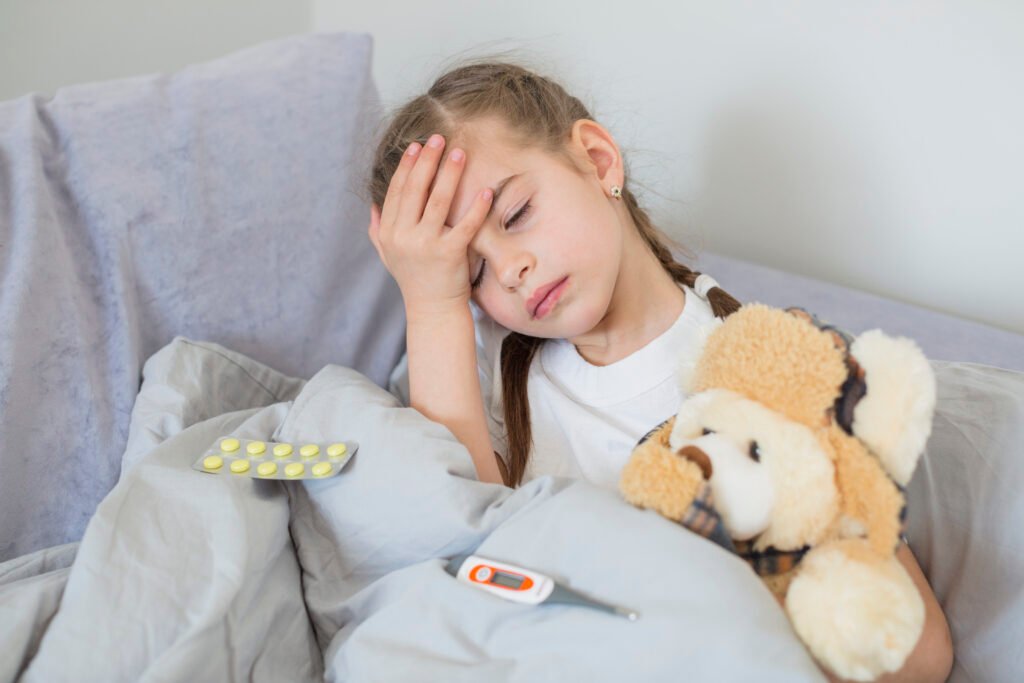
874,144
45,44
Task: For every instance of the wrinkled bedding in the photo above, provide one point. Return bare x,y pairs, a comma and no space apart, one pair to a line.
188,576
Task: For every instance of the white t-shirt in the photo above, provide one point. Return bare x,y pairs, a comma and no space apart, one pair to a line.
586,419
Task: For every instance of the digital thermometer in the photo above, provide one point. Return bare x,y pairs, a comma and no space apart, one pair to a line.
522,585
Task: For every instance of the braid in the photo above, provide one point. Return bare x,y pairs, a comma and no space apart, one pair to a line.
722,303
517,352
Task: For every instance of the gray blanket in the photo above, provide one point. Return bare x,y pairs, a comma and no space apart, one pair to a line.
188,576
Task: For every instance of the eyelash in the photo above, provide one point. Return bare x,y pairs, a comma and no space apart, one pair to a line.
511,221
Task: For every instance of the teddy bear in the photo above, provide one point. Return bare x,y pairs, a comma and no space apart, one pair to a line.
793,449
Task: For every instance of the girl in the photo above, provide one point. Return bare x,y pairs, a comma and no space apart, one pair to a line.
546,314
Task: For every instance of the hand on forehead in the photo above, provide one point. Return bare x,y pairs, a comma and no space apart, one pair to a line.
486,166
490,157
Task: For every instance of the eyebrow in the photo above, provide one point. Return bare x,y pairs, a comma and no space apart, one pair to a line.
498,189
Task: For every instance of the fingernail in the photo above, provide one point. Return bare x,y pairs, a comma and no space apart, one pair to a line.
413,149
486,194
457,155
435,140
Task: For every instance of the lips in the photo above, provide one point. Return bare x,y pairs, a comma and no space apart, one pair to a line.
540,293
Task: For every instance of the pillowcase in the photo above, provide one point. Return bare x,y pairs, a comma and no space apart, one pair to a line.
223,202
965,516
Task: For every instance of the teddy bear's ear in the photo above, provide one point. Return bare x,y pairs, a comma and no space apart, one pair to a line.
687,368
894,415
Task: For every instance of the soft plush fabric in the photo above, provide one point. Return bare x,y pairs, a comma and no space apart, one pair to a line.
966,517
223,202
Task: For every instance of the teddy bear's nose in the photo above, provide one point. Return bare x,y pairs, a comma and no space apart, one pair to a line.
698,456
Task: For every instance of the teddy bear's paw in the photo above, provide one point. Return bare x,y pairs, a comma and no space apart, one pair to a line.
656,478
860,619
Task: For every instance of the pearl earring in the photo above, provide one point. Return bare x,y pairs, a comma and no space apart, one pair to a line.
616,191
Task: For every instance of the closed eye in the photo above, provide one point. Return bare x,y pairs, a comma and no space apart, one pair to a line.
518,215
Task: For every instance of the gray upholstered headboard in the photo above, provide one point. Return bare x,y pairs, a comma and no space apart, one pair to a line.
941,336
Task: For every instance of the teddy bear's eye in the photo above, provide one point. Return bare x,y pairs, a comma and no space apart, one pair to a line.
755,452
706,431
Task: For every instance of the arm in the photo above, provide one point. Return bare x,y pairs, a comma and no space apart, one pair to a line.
932,657
443,381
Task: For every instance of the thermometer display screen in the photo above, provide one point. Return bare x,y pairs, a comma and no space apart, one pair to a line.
507,580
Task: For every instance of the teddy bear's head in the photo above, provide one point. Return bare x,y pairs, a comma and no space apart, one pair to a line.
791,431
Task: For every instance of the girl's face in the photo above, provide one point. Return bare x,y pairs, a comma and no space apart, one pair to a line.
548,224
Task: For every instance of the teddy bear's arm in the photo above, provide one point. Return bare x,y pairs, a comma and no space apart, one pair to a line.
932,657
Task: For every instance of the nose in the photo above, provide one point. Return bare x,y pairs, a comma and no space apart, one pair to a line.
699,457
512,269
509,261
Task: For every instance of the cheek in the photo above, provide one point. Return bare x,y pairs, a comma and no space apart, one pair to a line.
503,308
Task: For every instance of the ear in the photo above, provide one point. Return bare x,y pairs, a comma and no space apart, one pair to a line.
595,149
894,417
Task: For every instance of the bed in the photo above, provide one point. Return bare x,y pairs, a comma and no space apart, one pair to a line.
184,256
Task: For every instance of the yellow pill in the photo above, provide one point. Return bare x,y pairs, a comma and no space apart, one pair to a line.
256,448
267,469
283,450
309,450
321,469
240,466
336,450
294,469
213,462
229,445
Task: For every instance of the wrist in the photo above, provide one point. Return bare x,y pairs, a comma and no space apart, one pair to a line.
435,311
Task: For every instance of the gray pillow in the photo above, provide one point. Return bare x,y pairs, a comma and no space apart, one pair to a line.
222,203
966,517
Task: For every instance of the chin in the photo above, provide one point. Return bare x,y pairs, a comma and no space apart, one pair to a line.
570,322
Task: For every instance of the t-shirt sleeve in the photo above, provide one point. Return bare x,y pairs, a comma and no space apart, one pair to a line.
489,336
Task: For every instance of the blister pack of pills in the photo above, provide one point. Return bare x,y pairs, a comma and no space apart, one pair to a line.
275,460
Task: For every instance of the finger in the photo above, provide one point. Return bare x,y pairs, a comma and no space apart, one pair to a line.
465,229
393,197
417,185
439,202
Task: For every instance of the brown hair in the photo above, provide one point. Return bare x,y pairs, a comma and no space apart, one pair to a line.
539,113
